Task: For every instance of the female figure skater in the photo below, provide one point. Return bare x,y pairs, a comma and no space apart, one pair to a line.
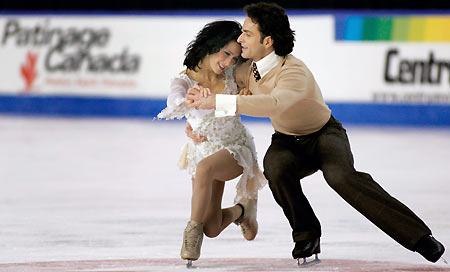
228,151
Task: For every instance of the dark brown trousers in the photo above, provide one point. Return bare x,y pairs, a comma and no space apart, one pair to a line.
291,158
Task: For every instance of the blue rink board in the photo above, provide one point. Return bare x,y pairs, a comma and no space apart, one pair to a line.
107,107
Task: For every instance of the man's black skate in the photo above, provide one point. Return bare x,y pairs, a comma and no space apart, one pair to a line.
430,248
305,249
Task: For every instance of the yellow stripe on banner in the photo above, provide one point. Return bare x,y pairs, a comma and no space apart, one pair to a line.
437,29
416,30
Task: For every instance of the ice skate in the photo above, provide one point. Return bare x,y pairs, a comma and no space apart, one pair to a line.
305,263
305,249
430,248
192,242
247,220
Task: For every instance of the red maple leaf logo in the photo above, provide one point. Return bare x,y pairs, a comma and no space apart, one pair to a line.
28,71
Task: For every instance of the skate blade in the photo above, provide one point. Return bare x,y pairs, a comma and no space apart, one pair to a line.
305,263
189,265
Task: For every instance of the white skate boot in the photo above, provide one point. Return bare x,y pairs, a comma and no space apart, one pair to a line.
247,220
192,242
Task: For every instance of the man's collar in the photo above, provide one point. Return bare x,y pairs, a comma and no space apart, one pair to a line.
267,63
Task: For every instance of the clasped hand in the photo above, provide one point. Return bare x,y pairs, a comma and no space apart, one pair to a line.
202,98
197,98
194,97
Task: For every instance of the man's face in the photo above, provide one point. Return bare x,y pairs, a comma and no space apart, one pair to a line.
250,40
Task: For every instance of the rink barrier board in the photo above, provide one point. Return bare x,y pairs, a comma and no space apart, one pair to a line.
370,43
111,107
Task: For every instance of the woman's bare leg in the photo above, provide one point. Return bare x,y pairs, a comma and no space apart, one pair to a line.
216,218
207,192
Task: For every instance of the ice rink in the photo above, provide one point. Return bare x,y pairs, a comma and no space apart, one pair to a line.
81,190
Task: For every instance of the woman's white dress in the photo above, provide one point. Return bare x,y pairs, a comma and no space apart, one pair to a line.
221,132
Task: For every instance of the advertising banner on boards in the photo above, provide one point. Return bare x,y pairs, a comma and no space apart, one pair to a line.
356,58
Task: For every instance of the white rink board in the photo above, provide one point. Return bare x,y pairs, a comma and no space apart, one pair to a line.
144,52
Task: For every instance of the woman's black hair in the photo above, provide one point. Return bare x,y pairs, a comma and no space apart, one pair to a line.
210,40
273,21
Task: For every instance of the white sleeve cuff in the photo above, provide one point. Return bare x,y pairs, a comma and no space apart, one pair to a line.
225,105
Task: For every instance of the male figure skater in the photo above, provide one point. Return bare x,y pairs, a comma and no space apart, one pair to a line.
307,138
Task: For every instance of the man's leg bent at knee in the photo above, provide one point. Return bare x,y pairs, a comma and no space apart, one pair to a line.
281,171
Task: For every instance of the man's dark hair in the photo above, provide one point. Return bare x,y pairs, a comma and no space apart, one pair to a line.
210,40
273,21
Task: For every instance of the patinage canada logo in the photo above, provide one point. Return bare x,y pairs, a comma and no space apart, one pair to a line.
28,70
70,55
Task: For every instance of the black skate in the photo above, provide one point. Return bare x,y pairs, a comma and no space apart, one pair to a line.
305,249
430,248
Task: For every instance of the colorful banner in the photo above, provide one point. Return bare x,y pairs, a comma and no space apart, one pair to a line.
426,28
357,59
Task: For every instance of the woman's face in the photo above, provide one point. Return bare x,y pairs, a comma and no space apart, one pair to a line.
225,58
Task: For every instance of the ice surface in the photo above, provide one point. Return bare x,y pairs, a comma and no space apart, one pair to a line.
96,189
